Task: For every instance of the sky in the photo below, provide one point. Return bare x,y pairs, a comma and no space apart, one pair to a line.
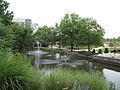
48,12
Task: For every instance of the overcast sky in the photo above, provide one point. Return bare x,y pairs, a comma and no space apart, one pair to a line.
48,12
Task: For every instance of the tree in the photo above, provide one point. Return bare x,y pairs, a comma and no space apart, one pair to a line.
5,15
6,37
43,35
6,34
58,35
24,38
53,36
69,29
91,33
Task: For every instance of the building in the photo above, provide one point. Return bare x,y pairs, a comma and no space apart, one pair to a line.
23,21
26,22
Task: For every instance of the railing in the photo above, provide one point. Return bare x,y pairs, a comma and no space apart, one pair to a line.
107,60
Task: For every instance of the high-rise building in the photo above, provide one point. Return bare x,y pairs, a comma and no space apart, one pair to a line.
23,21
26,22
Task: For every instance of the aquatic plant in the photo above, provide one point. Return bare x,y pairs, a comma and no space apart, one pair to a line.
77,80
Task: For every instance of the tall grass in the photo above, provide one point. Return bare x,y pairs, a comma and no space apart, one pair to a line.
16,73
78,80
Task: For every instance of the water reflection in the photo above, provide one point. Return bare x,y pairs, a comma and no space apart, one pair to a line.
112,76
111,73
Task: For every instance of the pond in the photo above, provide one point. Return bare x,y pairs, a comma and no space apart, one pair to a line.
56,60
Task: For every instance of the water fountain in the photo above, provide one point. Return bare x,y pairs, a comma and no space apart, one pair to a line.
37,54
68,61
65,61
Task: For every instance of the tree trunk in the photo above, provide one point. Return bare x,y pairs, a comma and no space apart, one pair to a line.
71,46
51,45
88,48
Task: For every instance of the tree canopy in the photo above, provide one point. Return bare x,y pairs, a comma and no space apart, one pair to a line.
73,31
5,15
46,35
6,34
6,37
69,29
24,38
78,31
91,33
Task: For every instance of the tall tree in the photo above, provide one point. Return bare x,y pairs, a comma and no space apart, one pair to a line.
5,15
91,33
6,34
69,29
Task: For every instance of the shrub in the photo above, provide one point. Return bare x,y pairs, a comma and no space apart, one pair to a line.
118,50
100,51
86,53
114,51
16,73
106,50
93,51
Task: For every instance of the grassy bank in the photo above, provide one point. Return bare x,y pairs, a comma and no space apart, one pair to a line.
16,73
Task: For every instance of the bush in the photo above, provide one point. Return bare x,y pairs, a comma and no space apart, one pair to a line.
106,50
16,73
114,51
100,51
93,51
86,53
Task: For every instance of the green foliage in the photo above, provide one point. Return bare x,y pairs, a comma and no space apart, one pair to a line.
76,31
16,73
24,40
93,51
69,80
106,50
6,34
69,29
114,51
5,15
91,33
46,35
111,44
6,37
86,53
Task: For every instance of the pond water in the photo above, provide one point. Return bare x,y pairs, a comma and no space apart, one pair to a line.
52,60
